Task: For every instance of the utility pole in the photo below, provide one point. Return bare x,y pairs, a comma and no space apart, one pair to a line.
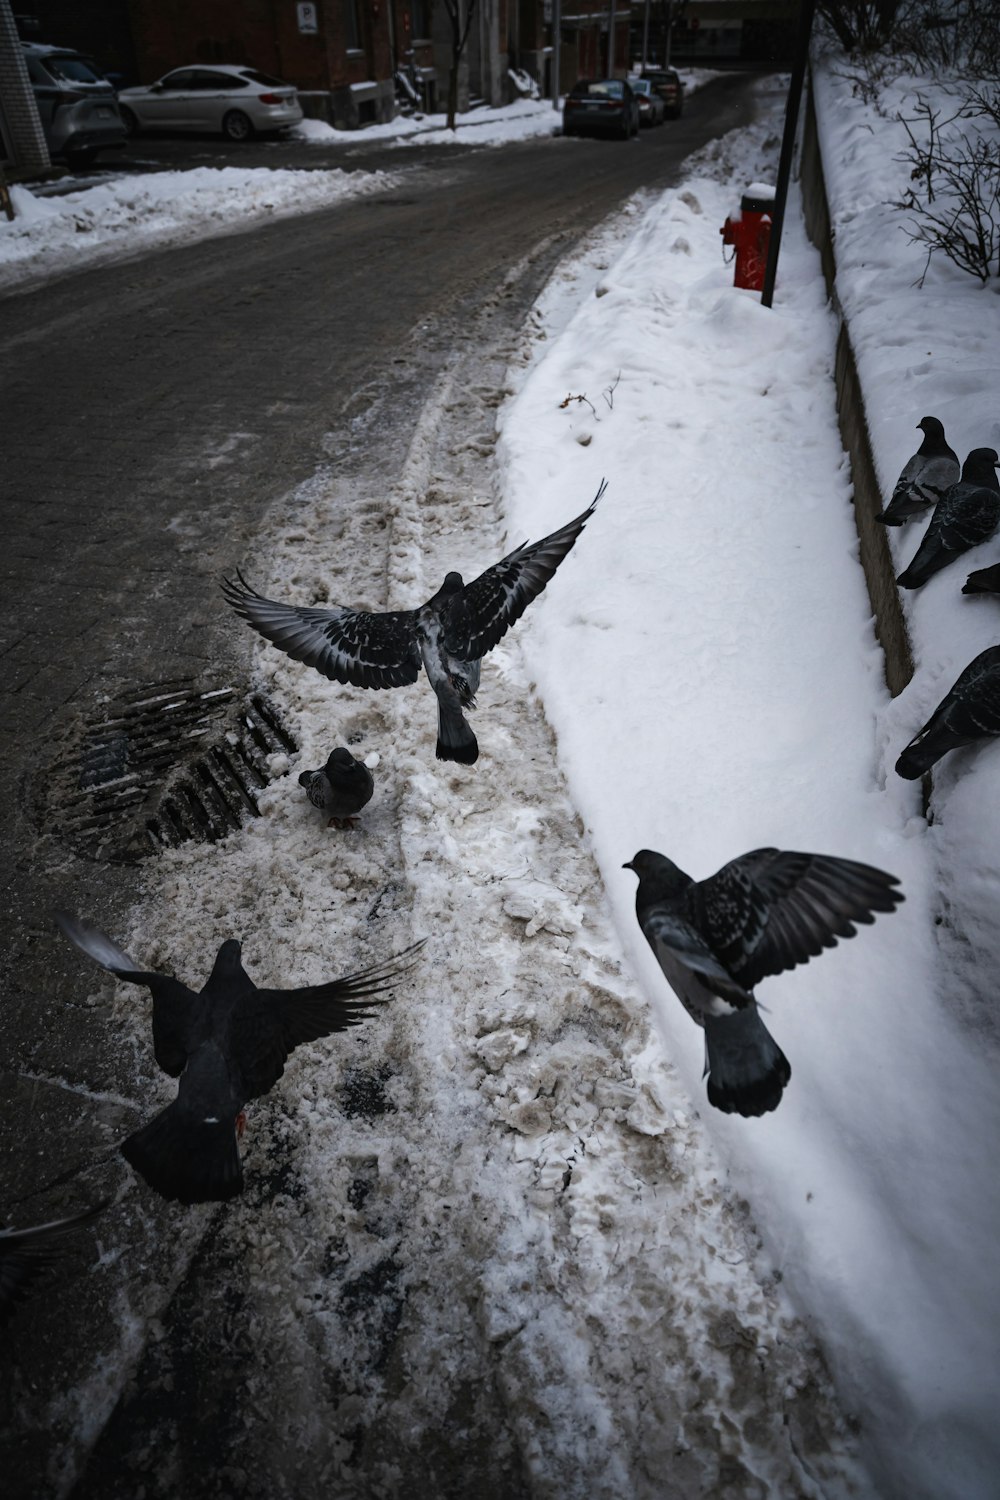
556,26
788,147
645,37
611,42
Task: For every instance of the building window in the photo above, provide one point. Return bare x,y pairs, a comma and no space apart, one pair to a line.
353,23
421,19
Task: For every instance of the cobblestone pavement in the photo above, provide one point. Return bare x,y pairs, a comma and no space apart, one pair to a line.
153,412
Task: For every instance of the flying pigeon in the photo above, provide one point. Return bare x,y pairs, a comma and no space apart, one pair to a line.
715,939
26,1253
450,634
971,711
340,789
227,1044
968,513
983,581
933,469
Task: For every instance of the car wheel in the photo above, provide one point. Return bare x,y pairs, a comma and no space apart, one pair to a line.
237,126
128,119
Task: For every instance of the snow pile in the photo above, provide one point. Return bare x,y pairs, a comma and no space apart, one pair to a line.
715,686
161,208
480,127
925,350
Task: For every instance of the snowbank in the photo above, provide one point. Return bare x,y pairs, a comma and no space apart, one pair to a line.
52,235
715,686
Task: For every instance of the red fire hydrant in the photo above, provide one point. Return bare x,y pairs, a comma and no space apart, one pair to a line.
750,231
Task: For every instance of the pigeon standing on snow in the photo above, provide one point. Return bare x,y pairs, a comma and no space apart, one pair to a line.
983,581
449,635
25,1254
971,711
715,939
226,1045
967,514
340,789
933,469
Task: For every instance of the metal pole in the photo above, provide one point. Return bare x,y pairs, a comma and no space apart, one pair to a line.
556,27
788,147
645,37
611,42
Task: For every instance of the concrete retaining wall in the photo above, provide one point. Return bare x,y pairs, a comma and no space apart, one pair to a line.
876,559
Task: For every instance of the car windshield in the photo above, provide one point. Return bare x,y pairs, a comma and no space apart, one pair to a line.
73,69
604,88
264,78
640,85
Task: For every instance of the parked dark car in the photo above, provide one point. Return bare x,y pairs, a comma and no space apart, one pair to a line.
601,106
76,105
667,84
652,110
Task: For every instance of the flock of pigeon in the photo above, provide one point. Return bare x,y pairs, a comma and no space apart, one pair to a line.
764,912
966,501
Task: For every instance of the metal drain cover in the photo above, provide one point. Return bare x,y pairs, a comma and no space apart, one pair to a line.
165,763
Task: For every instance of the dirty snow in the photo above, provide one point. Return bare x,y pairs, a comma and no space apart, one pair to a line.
52,235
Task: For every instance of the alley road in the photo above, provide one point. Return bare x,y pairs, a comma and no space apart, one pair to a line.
153,412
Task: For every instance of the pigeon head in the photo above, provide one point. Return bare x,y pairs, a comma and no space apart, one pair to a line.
341,759
659,877
979,466
305,777
931,427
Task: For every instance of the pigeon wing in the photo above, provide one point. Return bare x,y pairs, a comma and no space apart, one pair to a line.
478,617
772,909
278,1021
174,1005
25,1253
969,520
677,941
346,645
972,707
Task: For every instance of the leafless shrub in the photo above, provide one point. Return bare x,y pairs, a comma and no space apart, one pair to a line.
954,204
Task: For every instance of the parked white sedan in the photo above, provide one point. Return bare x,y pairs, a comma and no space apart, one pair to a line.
236,100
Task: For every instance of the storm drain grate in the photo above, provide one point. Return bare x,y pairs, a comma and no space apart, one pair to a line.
165,764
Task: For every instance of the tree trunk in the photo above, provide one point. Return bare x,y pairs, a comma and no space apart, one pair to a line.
453,92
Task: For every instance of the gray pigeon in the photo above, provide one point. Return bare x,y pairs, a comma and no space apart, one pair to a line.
933,469
715,939
983,581
340,789
26,1253
449,635
226,1045
967,514
971,711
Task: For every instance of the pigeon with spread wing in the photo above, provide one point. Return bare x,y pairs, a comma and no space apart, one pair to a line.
448,636
714,939
226,1045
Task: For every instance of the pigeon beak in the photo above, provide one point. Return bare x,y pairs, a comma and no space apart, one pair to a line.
628,865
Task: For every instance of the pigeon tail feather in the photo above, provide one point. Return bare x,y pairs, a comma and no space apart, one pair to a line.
185,1160
456,740
925,751
747,1070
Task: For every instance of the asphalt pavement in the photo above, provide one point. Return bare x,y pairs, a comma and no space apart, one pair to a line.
154,411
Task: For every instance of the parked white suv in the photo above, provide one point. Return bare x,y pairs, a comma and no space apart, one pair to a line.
77,107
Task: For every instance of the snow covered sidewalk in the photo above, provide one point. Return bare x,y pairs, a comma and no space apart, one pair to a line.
715,686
